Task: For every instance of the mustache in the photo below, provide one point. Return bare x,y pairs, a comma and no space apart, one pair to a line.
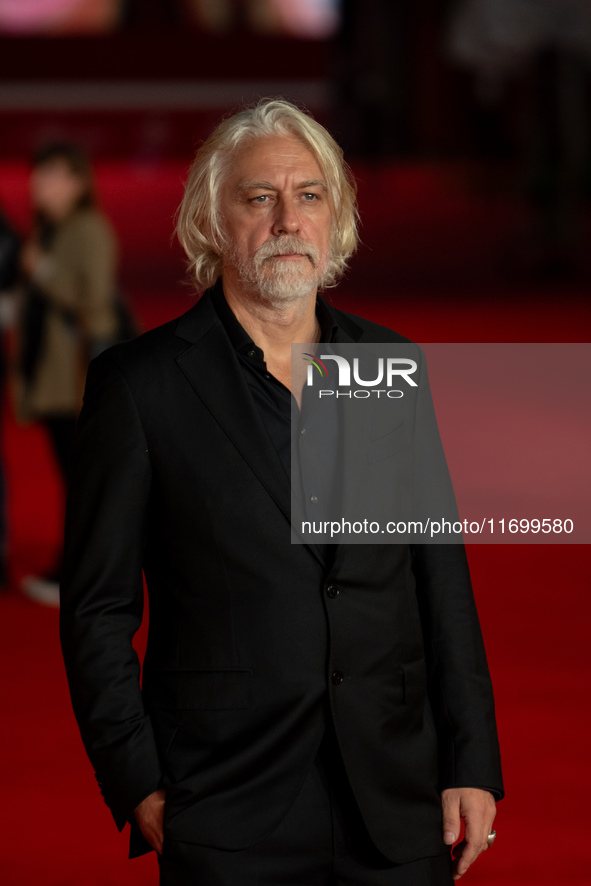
284,245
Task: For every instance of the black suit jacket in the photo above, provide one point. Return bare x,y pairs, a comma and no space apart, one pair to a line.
174,474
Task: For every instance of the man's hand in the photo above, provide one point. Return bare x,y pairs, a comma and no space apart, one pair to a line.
149,815
477,808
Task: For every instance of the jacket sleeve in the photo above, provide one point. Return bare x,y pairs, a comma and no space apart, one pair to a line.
102,589
460,685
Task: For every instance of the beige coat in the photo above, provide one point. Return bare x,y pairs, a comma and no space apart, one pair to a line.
79,275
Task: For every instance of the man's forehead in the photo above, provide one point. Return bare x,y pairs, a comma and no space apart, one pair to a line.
266,185
262,160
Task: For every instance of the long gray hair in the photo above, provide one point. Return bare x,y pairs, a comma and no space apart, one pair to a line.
199,223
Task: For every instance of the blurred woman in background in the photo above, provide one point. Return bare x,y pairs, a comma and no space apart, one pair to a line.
10,245
69,311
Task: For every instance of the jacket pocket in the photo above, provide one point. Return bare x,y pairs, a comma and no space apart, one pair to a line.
200,690
414,676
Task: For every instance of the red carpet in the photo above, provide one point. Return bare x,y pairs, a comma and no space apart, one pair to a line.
533,602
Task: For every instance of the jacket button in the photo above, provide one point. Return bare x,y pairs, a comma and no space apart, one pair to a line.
337,677
333,591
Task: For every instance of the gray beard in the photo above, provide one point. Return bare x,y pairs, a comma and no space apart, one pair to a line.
275,282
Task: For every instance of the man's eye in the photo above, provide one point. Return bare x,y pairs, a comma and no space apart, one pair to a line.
262,198
309,198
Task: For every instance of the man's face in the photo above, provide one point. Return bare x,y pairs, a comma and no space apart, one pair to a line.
277,218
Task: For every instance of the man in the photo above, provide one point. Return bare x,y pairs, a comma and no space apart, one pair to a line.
308,715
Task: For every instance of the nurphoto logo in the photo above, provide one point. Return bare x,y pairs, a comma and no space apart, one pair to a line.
388,371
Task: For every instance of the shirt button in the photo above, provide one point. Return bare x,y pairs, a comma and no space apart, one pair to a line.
333,591
313,499
337,677
303,431
250,354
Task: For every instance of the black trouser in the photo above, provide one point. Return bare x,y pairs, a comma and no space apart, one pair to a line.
61,429
321,841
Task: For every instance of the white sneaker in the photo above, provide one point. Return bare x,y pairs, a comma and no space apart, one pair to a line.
42,590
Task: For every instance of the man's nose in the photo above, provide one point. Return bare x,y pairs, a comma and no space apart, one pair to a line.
287,219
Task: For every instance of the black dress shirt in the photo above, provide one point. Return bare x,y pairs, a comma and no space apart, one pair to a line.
313,466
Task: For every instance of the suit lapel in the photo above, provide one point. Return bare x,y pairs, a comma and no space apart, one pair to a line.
212,368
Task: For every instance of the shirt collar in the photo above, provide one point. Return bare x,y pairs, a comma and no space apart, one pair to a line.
239,337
